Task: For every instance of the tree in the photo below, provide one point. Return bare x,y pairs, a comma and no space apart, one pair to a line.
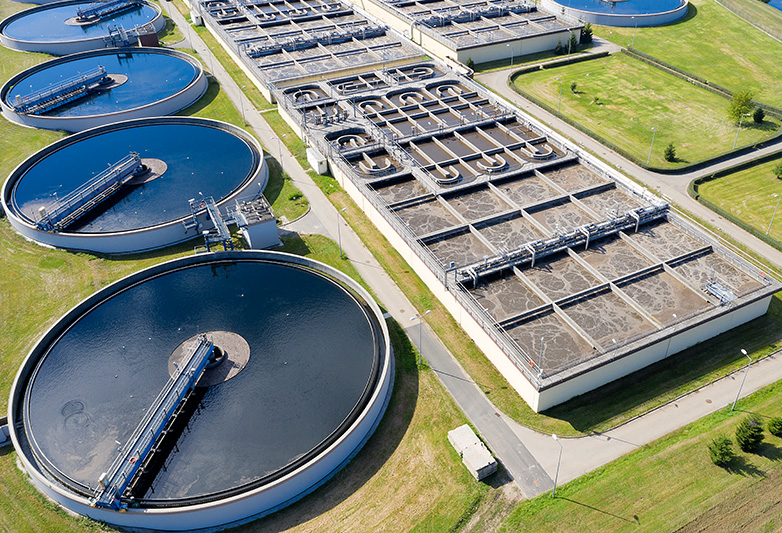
670,153
721,450
572,44
758,116
558,50
470,64
775,426
749,434
586,33
573,86
777,170
740,104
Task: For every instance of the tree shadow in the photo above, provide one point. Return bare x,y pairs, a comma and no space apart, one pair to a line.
766,126
372,456
739,465
633,520
769,451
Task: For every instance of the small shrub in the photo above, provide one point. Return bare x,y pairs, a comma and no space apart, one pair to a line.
777,170
670,153
721,450
749,434
470,64
572,44
775,426
294,196
573,86
758,116
586,33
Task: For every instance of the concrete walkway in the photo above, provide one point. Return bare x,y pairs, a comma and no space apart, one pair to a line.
528,456
672,186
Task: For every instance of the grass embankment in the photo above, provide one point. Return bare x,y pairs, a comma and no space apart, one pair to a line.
749,195
671,484
715,44
759,14
621,99
520,61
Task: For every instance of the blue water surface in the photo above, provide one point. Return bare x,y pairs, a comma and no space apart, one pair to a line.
776,3
629,7
200,159
151,78
49,24
306,373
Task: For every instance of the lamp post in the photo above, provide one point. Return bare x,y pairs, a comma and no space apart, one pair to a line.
559,105
775,213
634,30
736,140
420,322
241,104
743,379
559,460
654,132
339,231
279,147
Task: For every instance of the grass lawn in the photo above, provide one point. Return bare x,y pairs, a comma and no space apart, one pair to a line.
760,14
715,44
671,484
749,195
620,99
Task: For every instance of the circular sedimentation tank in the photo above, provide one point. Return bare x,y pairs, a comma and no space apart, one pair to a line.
121,84
186,158
315,378
55,28
626,13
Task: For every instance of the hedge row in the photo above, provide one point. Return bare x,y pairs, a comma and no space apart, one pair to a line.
694,185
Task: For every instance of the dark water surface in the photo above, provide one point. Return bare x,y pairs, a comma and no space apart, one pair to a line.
200,159
312,356
630,7
151,78
49,25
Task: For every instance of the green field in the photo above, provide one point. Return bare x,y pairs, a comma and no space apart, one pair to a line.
671,484
715,44
749,195
621,99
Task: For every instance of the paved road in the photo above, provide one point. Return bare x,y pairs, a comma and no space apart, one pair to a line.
529,457
674,186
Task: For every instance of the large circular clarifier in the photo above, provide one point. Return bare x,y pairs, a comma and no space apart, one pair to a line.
90,89
55,29
314,386
621,13
195,158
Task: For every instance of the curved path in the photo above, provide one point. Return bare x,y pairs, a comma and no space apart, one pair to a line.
528,456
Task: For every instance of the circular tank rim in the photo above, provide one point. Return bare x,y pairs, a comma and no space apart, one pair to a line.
617,20
236,508
31,231
60,123
29,45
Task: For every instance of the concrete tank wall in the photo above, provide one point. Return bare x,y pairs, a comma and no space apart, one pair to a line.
166,106
605,19
253,503
61,48
136,240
